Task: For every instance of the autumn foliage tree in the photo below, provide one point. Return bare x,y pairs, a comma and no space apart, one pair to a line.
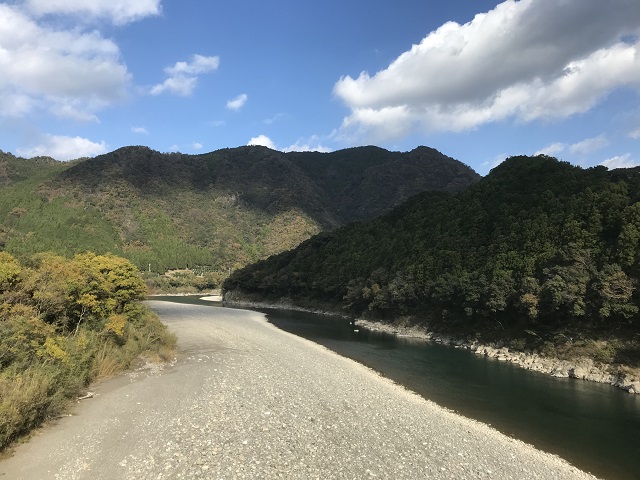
64,322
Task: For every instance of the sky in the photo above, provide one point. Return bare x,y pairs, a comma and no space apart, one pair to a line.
478,80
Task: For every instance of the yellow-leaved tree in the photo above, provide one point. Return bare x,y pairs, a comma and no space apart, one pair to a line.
63,323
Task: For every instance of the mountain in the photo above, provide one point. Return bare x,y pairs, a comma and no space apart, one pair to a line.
222,209
536,246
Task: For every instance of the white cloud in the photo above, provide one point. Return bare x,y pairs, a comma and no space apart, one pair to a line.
15,104
311,144
197,146
140,130
305,147
198,65
584,147
494,162
238,102
523,60
622,161
118,11
183,76
375,125
183,86
70,112
71,74
552,149
635,134
275,118
589,145
263,141
63,148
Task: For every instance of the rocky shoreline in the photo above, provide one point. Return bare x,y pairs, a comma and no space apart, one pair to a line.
580,368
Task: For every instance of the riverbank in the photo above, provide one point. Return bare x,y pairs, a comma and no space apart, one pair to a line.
248,400
582,368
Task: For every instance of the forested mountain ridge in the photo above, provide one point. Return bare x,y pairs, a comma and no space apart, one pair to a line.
326,186
224,209
15,169
538,245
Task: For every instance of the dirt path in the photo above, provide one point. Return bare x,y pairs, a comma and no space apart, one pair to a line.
246,400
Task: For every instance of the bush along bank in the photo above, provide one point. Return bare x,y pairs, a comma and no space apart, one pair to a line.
63,324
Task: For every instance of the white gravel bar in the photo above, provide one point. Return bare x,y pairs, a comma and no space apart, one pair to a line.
246,400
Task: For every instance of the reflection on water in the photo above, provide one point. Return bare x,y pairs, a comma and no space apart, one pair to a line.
596,427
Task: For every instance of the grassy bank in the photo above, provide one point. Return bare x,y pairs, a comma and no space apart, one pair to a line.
63,324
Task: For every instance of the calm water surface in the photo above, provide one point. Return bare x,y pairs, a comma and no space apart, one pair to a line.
596,427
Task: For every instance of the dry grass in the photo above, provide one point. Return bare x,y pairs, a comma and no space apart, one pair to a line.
32,393
26,399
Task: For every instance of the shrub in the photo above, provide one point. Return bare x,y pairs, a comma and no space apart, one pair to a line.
63,324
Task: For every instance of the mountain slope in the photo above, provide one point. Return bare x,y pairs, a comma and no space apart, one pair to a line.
224,209
537,244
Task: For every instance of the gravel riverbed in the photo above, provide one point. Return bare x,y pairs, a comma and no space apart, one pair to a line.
246,400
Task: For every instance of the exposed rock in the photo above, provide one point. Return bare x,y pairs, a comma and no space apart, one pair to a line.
580,368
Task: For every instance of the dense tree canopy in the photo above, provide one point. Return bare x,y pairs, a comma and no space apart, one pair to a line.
536,242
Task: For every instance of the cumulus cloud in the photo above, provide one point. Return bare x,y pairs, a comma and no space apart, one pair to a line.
118,11
305,147
522,61
310,145
589,145
197,146
71,74
63,148
183,76
584,147
199,64
621,161
262,140
180,85
140,130
238,102
552,149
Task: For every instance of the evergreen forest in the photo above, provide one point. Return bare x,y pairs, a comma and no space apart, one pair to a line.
538,251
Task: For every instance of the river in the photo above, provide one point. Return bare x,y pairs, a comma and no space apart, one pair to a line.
594,426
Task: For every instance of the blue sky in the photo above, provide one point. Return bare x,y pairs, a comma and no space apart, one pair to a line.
478,80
